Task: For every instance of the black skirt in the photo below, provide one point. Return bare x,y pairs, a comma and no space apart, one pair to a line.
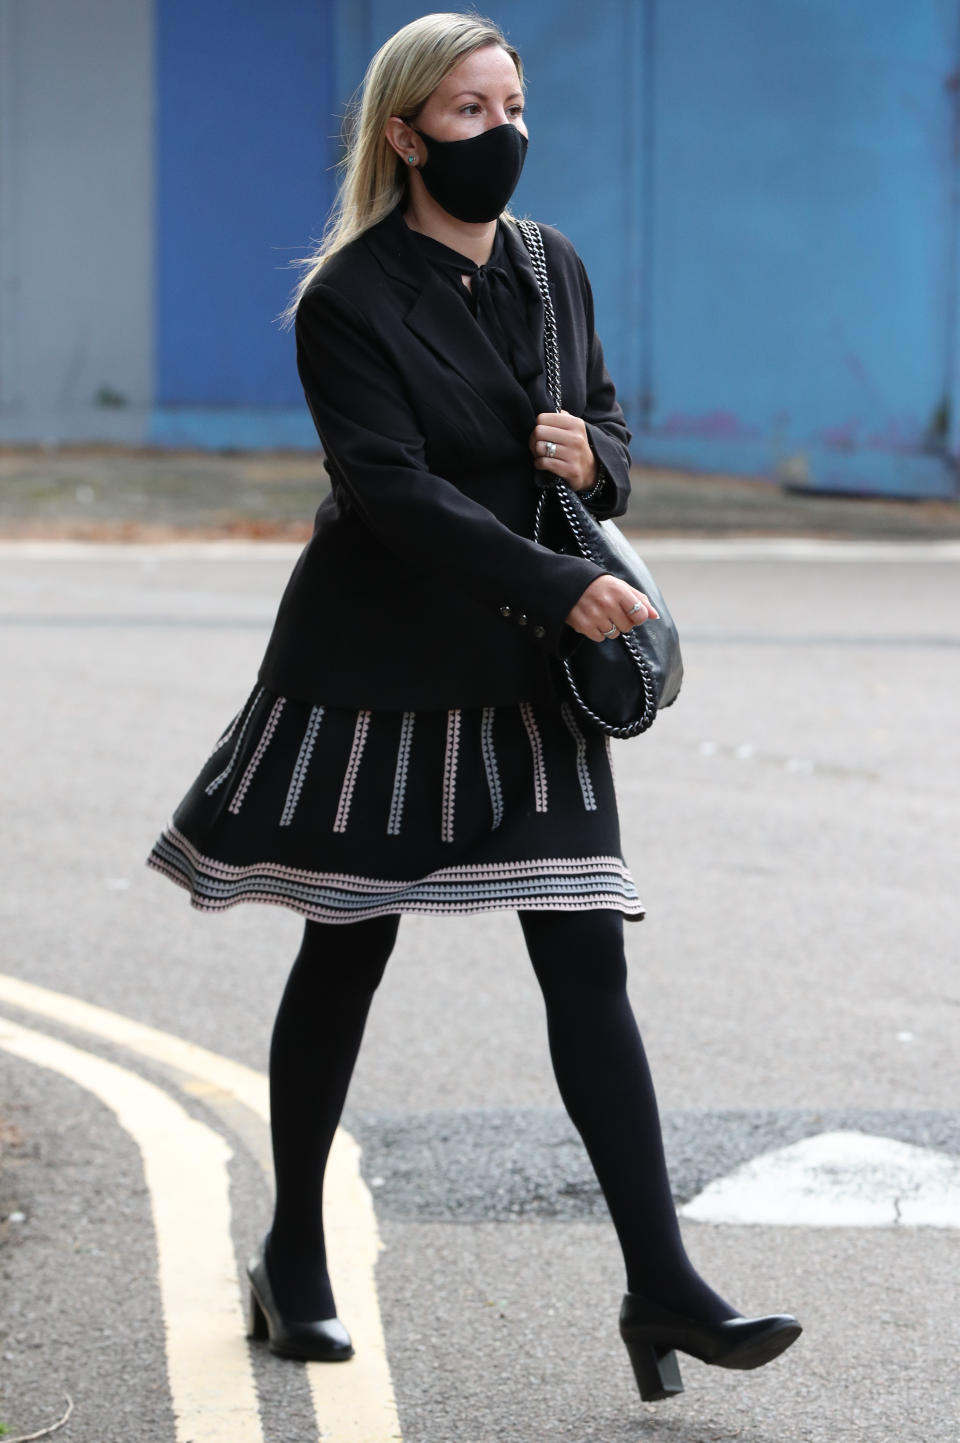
343,815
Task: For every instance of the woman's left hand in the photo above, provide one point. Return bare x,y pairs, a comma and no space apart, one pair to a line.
572,457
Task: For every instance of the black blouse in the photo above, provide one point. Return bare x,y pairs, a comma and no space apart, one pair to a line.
504,306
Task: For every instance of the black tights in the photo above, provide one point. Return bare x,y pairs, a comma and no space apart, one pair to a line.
598,1059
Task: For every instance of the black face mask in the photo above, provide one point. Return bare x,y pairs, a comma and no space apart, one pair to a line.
473,179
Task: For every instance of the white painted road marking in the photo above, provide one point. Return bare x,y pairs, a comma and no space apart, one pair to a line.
208,1362
354,1401
837,1180
793,548
713,548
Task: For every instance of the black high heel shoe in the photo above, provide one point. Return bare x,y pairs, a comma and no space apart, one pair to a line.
323,1342
653,1335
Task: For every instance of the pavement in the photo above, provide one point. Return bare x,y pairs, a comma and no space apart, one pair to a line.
115,494
791,822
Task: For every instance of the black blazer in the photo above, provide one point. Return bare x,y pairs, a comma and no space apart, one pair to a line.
420,587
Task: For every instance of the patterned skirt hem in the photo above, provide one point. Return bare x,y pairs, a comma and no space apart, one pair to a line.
546,884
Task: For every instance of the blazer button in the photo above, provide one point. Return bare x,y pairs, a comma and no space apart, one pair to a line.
521,620
539,632
506,612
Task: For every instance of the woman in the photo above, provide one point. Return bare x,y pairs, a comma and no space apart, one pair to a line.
406,748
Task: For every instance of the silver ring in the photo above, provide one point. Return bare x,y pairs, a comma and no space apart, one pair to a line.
614,631
638,606
550,449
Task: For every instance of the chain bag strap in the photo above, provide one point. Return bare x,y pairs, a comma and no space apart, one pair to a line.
619,685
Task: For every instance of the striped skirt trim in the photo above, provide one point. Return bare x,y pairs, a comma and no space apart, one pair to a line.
544,884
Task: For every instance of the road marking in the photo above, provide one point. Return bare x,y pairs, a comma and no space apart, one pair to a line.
793,548
208,1363
28,550
354,1401
681,548
836,1180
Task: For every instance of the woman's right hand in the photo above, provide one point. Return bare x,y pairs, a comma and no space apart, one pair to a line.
610,603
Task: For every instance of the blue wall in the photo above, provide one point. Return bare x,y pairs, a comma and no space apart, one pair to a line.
764,192
803,259
245,141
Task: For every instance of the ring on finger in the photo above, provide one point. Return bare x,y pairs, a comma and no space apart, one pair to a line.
637,606
614,631
550,449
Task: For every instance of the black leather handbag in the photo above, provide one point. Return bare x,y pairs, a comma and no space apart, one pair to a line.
619,685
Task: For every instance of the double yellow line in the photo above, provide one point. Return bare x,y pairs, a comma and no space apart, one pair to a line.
185,1167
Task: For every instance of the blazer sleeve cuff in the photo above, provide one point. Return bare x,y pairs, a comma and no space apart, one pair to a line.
543,618
613,475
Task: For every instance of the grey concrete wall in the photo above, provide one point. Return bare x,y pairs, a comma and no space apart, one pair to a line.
76,219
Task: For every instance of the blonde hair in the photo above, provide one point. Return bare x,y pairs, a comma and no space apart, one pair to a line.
400,79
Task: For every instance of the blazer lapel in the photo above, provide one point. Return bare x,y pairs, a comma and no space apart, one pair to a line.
441,320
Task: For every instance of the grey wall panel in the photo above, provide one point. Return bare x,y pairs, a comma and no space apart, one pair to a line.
76,219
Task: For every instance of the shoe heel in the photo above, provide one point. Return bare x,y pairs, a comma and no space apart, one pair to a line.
256,1318
657,1371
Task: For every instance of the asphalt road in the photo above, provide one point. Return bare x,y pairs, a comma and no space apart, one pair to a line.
792,826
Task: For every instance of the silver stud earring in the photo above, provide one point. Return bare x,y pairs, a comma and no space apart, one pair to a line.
411,160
